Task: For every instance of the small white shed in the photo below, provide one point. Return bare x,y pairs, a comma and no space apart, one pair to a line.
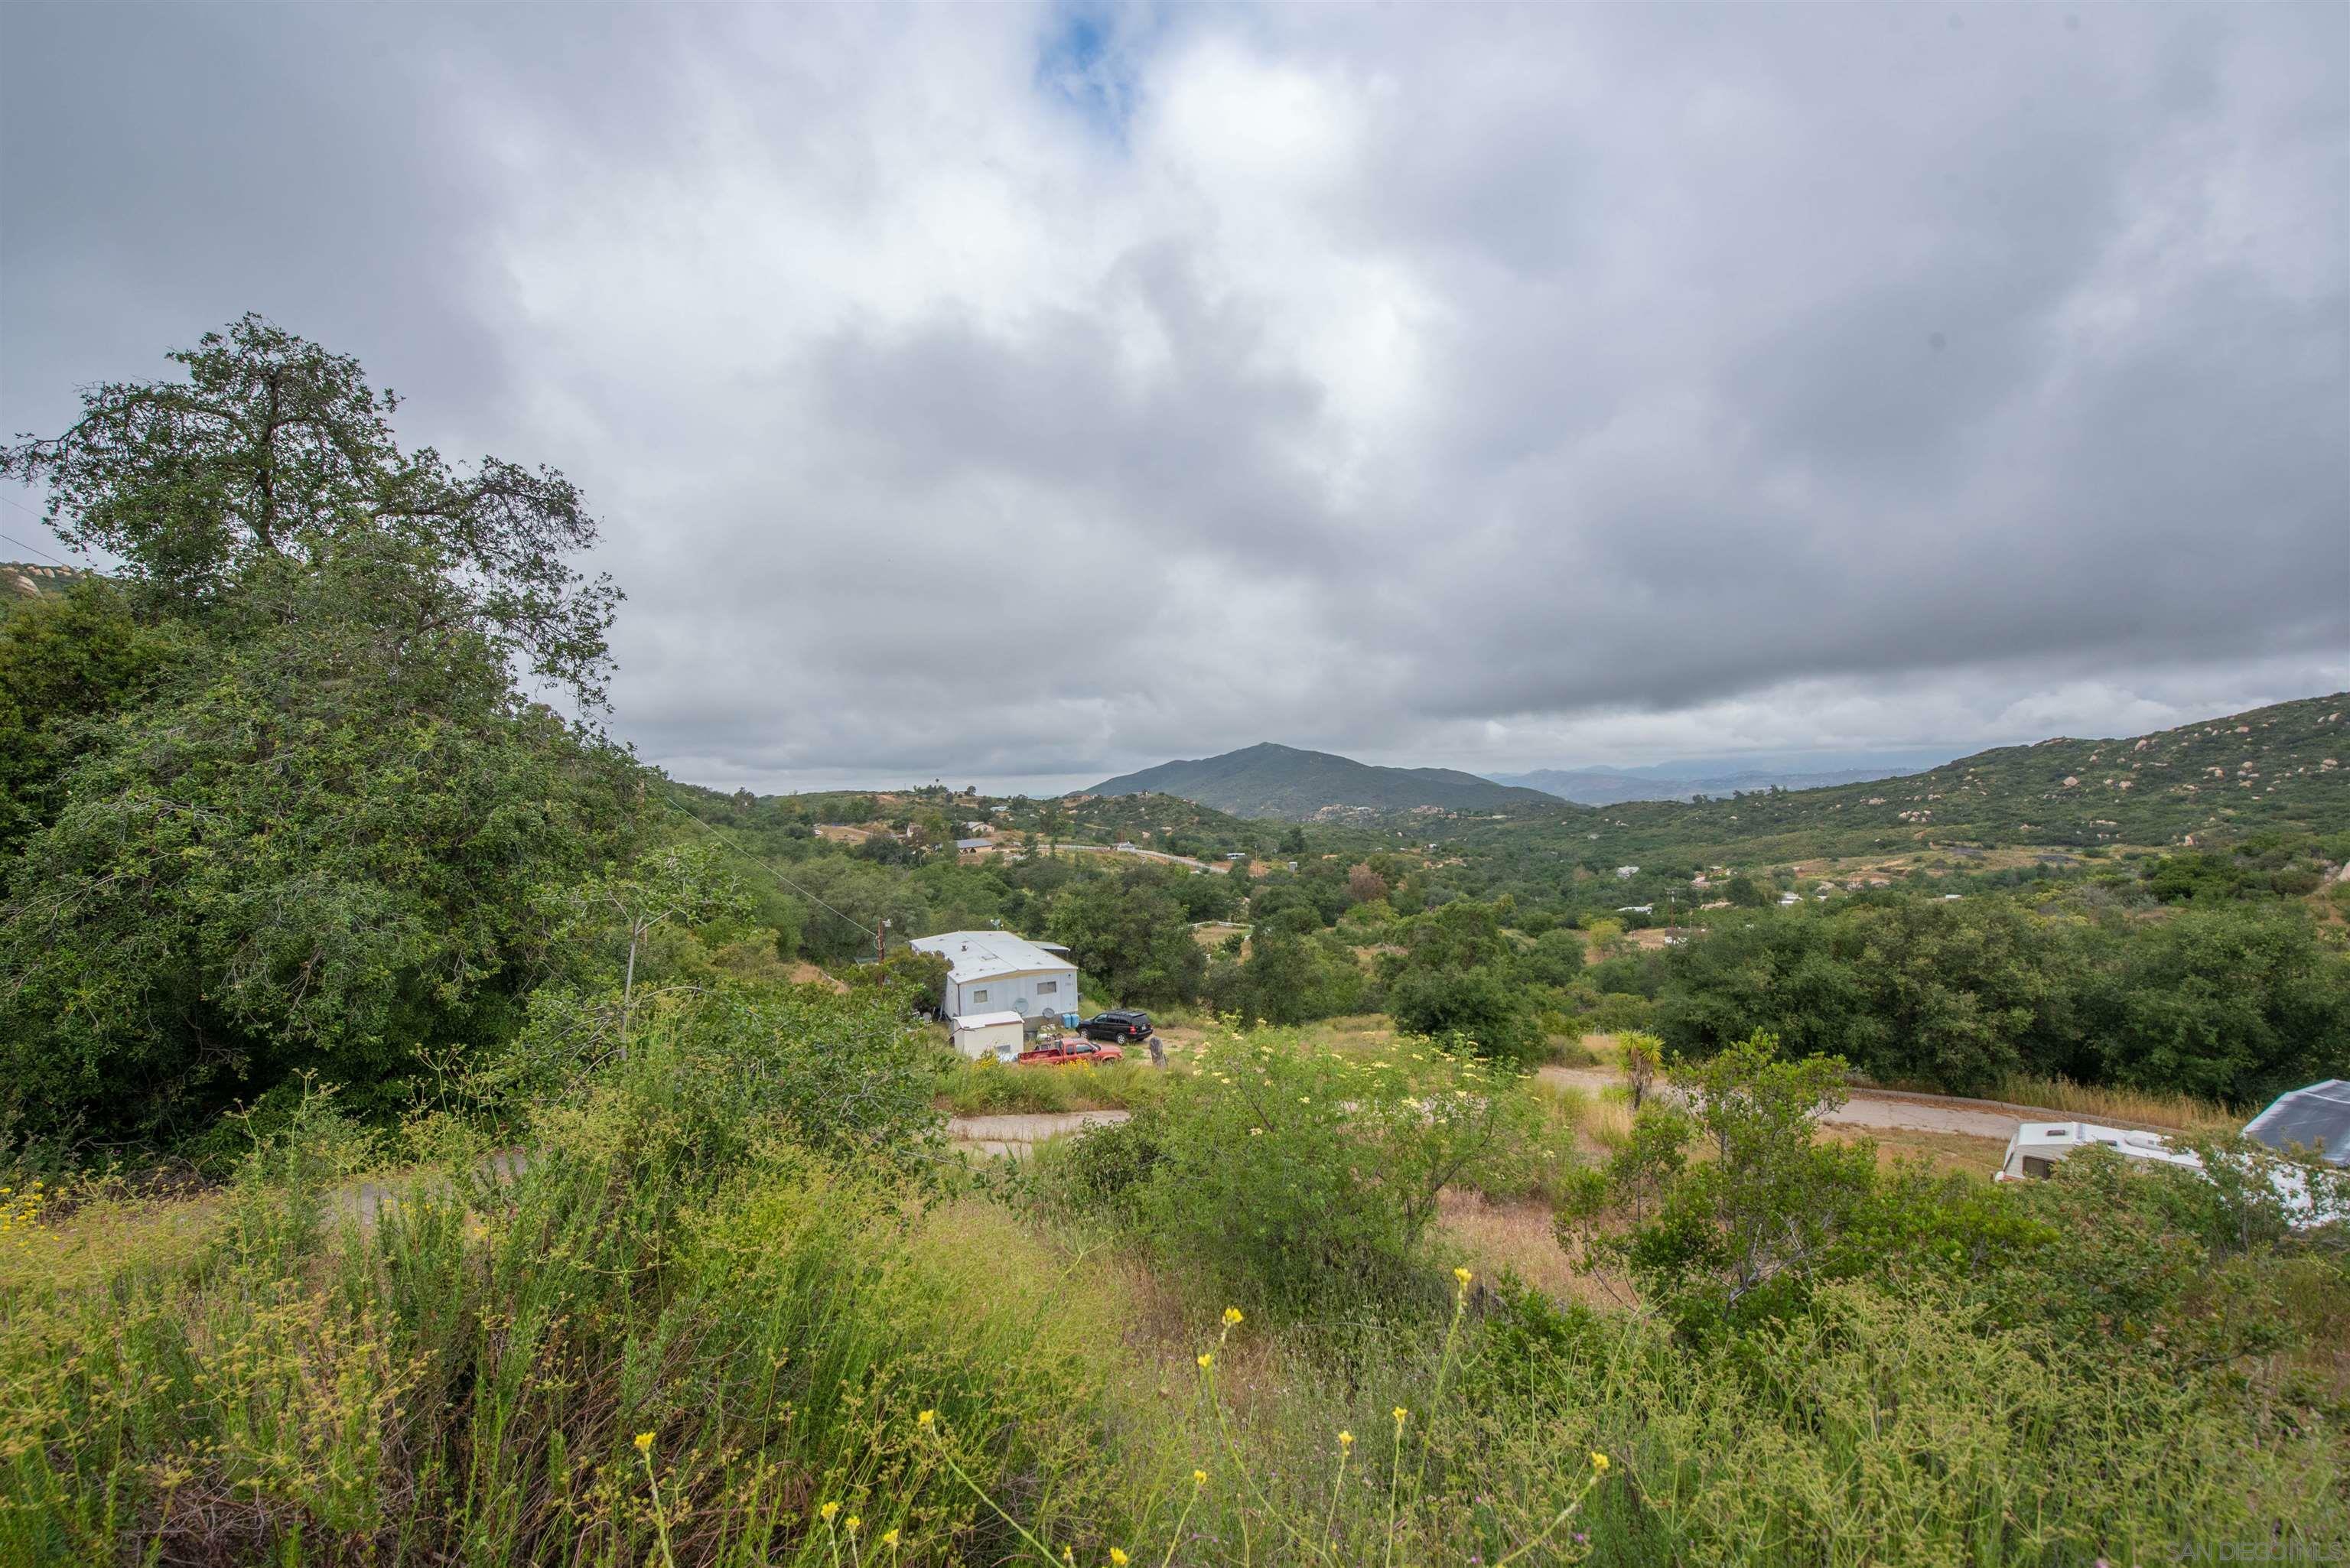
996,1035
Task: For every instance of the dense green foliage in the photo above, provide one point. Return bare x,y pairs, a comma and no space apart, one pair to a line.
2231,1004
68,660
274,802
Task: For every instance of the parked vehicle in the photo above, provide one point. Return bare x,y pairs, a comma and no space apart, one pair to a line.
1118,1023
1069,1051
2308,1197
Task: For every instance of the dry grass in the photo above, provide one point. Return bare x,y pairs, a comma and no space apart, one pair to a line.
1213,935
1602,1121
1960,1152
1492,1238
93,1234
2096,1103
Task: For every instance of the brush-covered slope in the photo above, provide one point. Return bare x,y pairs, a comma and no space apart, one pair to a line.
2285,767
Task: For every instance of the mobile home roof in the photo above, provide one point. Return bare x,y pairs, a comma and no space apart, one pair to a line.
984,955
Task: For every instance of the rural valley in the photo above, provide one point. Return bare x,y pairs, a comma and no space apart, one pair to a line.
1084,785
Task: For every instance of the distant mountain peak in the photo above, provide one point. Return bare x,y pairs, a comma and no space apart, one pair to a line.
1269,779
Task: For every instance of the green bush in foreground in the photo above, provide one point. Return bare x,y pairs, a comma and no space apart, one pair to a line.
1305,1180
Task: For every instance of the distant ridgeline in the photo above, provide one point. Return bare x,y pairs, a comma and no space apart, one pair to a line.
2285,768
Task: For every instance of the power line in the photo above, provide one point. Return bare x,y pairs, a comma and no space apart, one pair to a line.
23,545
763,866
27,544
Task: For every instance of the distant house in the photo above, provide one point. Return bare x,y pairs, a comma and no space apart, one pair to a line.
1626,873
1635,909
972,846
996,971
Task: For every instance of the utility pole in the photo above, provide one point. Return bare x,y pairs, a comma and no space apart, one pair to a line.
881,943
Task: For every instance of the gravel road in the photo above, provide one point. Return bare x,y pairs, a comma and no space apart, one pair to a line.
1018,1134
1874,1108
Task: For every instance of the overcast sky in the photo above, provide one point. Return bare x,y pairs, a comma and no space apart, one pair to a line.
1020,396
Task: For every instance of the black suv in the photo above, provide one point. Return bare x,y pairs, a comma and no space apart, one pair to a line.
1117,1025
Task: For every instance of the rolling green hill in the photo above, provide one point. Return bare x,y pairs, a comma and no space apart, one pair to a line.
1269,780
2284,768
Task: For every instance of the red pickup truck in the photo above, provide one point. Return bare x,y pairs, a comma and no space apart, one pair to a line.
1069,1051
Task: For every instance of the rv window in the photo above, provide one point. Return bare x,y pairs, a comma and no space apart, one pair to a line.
2038,1167
977,997
1046,987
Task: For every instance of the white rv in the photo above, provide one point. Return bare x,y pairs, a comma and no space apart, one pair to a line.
2308,1197
2037,1146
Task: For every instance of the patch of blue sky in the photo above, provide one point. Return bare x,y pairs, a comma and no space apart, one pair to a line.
1087,58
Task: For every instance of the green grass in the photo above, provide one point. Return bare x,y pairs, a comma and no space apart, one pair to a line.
972,1089
264,1377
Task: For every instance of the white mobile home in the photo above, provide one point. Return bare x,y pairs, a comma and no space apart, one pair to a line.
996,971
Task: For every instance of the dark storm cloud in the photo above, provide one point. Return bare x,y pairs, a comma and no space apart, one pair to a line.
1012,394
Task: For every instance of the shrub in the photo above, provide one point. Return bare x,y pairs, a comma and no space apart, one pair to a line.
461,1379
1477,1006
1305,1180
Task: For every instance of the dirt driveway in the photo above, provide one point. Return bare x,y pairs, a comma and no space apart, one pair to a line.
1019,1132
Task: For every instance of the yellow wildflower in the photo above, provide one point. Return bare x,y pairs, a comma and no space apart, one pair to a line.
1401,1415
927,1419
644,1442
1346,1439
1598,1462
1464,1276
1233,1315
1199,1478
852,1523
1207,1359
1117,1558
889,1537
827,1510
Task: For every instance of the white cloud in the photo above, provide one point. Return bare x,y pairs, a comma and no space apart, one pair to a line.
972,394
